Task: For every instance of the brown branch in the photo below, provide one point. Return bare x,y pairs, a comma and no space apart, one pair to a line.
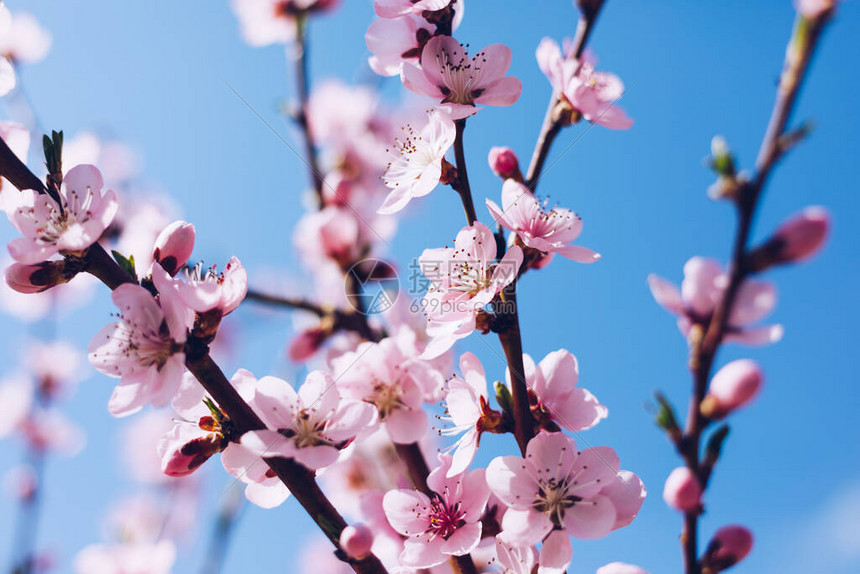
462,187
512,345
290,302
707,343
302,83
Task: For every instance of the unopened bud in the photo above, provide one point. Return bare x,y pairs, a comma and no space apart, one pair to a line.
797,239
682,490
732,387
39,277
812,9
174,246
504,163
356,541
729,546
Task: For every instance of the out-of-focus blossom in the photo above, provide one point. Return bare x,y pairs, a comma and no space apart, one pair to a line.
22,39
55,366
536,228
8,80
395,42
459,82
398,8
465,279
16,396
593,94
682,491
448,524
558,487
730,545
138,446
156,558
332,233
797,239
145,348
306,344
554,396
702,290
173,246
118,162
356,541
266,22
814,8
735,385
317,557
395,384
86,213
417,157
310,425
620,568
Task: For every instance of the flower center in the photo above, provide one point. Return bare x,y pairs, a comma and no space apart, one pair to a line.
554,498
445,519
306,432
52,224
460,76
386,397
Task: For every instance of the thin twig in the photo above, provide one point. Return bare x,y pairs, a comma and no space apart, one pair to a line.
463,187
302,84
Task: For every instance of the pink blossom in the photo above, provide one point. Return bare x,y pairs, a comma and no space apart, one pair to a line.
553,393
701,291
332,233
86,213
145,347
156,558
8,80
266,22
55,366
730,545
464,279
814,8
395,384
395,42
306,344
310,425
173,246
556,486
16,396
448,524
735,385
356,541
800,237
416,167
467,406
504,163
262,486
515,559
682,490
22,39
537,228
398,8
620,568
459,82
47,429
205,291
593,94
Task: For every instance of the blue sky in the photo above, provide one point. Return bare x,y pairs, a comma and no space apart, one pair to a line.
156,75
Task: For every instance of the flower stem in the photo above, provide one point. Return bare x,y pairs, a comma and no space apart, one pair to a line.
512,345
300,58
463,187
705,347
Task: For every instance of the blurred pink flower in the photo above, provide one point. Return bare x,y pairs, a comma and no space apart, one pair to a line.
620,568
504,163
547,231
448,524
458,81
682,490
22,39
145,347
395,42
398,8
701,291
730,545
416,166
156,558
734,385
267,22
332,233
356,541
86,214
16,396
8,80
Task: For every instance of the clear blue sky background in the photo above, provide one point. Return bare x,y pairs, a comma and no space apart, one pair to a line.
154,74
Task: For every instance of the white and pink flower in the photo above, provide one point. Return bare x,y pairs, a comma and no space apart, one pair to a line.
702,290
205,291
459,82
145,348
557,491
547,231
47,230
448,523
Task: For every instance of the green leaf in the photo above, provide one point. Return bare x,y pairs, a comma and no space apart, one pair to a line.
715,443
504,398
666,418
126,263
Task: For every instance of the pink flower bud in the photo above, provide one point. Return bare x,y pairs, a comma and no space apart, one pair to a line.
356,541
39,277
729,546
504,163
174,246
732,387
185,447
306,344
682,491
802,236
